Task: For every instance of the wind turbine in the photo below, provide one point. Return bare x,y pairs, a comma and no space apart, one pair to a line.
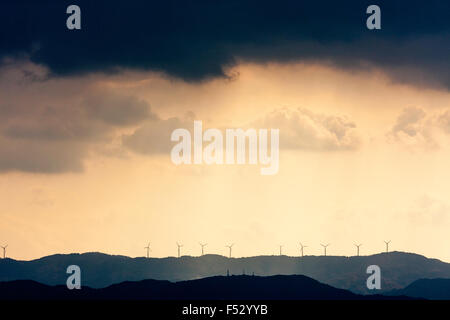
325,248
281,247
301,247
4,251
179,248
229,247
387,245
148,248
203,245
357,248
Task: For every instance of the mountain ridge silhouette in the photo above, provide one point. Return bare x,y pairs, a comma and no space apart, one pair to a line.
99,270
278,287
432,289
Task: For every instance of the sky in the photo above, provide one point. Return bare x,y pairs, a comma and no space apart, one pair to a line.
86,118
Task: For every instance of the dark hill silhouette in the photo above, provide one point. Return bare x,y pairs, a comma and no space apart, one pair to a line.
100,270
433,289
214,288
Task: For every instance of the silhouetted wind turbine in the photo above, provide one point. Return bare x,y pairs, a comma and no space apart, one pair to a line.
179,248
203,246
387,245
4,251
148,248
229,247
281,247
301,247
357,248
325,248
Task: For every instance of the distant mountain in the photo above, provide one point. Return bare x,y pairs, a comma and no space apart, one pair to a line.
432,289
100,270
214,288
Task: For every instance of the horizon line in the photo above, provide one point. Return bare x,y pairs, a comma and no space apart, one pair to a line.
224,256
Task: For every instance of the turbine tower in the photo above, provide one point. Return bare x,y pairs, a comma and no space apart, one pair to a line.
301,248
325,248
148,248
179,249
387,245
281,247
357,248
4,251
230,247
203,245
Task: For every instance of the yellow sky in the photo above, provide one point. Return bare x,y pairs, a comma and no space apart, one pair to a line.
390,186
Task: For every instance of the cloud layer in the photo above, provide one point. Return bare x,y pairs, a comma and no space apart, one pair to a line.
301,129
416,128
201,39
51,126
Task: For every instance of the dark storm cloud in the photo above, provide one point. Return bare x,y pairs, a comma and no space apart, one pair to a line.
53,126
197,40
